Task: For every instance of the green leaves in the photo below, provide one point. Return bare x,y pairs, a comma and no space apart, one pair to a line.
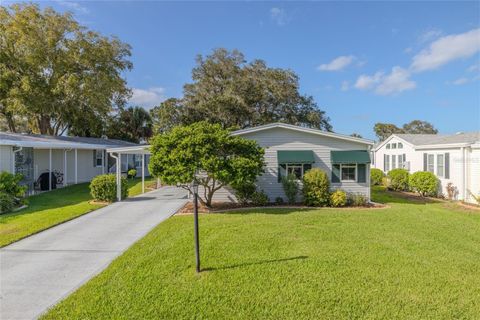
219,158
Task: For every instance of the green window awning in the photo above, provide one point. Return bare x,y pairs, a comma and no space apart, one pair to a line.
351,156
295,156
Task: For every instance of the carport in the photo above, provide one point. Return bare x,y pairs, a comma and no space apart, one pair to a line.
117,153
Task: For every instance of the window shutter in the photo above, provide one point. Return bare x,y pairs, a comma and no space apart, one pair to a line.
447,165
385,169
94,158
279,174
362,172
336,173
425,162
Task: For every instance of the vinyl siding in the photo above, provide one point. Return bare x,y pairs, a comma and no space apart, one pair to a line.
6,158
285,139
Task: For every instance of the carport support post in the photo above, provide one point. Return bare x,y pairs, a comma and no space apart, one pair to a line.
65,167
143,173
76,166
50,170
119,177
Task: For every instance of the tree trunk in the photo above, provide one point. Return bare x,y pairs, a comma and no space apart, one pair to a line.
44,125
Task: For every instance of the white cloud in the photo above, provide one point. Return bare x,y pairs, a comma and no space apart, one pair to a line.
147,98
395,82
398,80
74,6
345,86
429,35
337,64
279,16
447,49
474,68
460,81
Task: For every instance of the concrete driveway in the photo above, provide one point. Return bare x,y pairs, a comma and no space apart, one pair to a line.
39,271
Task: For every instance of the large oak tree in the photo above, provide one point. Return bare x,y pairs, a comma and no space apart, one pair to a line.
56,74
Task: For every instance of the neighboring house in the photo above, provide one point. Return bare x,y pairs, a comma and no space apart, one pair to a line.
72,159
452,158
294,149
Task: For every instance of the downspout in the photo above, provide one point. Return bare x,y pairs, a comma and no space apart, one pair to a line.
13,158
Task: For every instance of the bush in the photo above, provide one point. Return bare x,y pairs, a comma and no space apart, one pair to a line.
132,173
398,179
424,182
376,176
338,198
7,202
244,191
316,188
279,200
104,188
290,187
10,184
260,198
357,199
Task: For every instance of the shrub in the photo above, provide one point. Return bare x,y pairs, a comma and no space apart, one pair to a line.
424,182
398,179
290,187
376,176
10,184
357,199
104,188
6,202
279,200
132,173
338,198
260,198
244,191
316,188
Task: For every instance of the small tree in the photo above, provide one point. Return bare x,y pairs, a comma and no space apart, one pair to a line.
290,187
376,176
316,188
425,183
208,151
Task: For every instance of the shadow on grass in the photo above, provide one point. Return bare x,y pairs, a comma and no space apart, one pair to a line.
246,264
387,196
269,210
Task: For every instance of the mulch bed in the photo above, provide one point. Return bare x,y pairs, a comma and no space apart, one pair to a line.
219,207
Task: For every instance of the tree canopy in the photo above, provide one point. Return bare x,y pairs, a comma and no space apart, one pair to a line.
56,75
235,94
132,124
384,130
219,158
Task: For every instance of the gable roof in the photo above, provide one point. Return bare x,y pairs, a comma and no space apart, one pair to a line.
302,129
437,140
45,141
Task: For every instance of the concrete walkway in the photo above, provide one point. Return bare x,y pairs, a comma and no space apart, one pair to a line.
39,271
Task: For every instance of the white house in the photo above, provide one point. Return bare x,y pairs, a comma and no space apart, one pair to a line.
294,149
72,159
452,158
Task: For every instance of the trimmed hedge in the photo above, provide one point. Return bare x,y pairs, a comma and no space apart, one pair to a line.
338,198
260,198
424,182
316,188
7,202
376,176
398,179
104,188
132,173
290,187
244,192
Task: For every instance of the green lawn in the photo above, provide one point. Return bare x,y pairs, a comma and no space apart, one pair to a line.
414,260
51,208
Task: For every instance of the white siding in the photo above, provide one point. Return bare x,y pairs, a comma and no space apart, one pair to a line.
474,174
285,139
6,158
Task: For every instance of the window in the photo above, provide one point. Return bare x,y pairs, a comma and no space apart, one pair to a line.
394,162
400,145
440,165
348,172
394,146
138,161
430,163
98,158
400,161
298,169
388,145
386,163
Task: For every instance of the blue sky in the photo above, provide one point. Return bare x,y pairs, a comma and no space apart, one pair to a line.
363,62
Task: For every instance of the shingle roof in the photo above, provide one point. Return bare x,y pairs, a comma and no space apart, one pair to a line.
436,139
9,138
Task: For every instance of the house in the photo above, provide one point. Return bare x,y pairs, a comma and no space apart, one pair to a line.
294,149
72,159
452,158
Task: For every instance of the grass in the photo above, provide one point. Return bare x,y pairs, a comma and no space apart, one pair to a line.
414,260
51,208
